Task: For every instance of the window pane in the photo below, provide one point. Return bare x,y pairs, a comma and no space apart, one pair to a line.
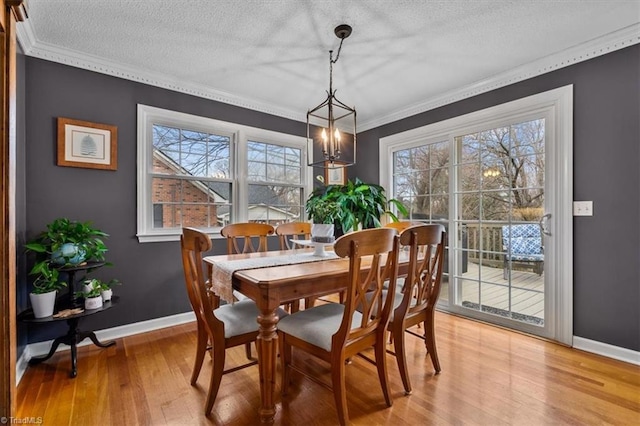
274,163
180,202
275,204
189,153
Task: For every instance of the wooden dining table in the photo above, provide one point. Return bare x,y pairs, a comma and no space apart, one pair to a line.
273,286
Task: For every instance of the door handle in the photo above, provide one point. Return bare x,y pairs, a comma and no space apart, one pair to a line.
543,222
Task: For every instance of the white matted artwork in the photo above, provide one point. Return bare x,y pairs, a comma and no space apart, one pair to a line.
88,145
335,173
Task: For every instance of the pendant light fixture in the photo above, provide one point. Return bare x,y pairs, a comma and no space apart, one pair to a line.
332,124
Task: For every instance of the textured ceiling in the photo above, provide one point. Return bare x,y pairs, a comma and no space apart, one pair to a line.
403,57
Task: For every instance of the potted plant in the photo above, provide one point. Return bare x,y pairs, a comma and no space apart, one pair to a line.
45,289
323,212
361,204
92,296
64,243
67,242
105,287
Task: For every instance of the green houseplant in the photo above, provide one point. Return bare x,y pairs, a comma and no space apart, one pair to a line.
68,242
64,243
361,204
104,287
92,296
45,289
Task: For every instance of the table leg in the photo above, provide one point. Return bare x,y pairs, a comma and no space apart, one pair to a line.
267,344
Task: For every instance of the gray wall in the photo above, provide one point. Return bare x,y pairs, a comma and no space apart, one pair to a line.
606,159
151,273
605,169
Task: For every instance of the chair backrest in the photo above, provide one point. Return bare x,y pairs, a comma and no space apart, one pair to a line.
247,233
193,243
522,239
377,245
426,257
401,225
292,230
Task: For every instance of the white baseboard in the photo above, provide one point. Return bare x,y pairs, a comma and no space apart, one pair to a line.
604,349
42,348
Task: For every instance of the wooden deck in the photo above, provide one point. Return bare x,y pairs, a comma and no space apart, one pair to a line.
485,285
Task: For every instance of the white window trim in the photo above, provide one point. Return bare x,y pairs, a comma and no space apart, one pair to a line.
557,106
239,134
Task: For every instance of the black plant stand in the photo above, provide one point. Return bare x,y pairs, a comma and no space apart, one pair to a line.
74,335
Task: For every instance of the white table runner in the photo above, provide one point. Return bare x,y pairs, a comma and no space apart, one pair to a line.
222,271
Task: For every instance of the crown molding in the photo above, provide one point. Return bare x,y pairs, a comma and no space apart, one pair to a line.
32,47
601,46
609,43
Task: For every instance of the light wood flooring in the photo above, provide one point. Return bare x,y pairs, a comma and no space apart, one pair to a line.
489,376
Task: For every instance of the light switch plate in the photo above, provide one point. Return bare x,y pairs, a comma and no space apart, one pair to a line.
583,208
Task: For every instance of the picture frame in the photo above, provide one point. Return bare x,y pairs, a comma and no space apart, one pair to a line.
335,174
87,145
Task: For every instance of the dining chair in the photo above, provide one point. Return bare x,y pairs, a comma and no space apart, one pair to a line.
415,303
335,332
250,237
401,225
224,326
246,237
292,231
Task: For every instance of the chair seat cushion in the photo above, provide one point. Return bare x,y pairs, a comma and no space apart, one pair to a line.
318,324
526,257
241,317
397,299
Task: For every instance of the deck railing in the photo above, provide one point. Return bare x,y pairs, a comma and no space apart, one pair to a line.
485,241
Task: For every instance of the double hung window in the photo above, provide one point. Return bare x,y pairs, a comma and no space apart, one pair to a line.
199,172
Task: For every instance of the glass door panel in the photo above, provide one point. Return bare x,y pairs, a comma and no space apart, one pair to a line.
500,200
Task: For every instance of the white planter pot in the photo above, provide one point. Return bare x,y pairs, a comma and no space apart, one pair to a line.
106,295
322,232
93,303
43,304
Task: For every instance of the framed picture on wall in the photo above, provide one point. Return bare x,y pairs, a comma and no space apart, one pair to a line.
88,145
335,173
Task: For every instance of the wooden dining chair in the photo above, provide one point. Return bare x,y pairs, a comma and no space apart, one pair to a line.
250,237
224,326
292,231
247,237
415,303
402,225
335,332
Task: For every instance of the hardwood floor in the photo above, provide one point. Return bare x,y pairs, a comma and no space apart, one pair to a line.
490,376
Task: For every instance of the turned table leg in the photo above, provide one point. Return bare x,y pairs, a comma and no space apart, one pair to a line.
267,344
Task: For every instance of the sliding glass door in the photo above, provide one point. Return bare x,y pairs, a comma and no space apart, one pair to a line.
497,180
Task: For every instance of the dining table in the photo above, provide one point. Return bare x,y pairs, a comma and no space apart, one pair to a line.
280,277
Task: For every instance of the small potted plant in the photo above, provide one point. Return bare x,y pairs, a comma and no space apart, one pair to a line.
105,287
92,296
323,213
45,289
